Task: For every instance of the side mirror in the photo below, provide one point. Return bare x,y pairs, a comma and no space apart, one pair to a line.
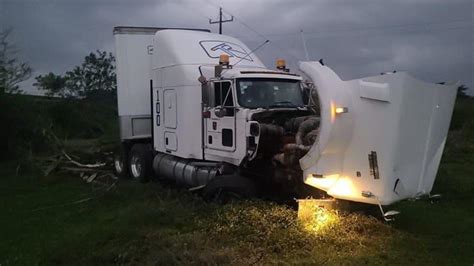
206,94
220,111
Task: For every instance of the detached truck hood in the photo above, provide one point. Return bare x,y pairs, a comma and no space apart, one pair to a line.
381,138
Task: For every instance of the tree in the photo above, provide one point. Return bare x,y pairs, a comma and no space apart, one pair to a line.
53,85
95,78
12,71
462,91
21,127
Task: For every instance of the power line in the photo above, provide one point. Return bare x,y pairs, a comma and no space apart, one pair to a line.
266,35
329,32
251,29
372,28
394,26
362,32
195,11
237,19
337,33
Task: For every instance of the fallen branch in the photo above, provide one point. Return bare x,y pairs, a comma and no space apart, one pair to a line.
81,169
51,167
196,188
90,178
96,165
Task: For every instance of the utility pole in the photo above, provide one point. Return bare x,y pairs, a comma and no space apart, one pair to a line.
304,46
220,21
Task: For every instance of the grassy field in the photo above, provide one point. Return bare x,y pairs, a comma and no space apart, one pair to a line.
154,224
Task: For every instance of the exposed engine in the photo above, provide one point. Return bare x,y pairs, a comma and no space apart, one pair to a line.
285,137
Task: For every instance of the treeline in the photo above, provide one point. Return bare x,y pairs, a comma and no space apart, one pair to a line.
79,104
94,79
82,104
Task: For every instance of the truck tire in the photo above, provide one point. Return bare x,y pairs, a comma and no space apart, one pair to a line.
140,162
121,163
226,188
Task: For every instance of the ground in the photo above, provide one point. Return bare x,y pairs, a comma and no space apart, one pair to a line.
60,219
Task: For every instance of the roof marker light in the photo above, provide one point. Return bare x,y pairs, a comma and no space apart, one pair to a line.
281,64
224,59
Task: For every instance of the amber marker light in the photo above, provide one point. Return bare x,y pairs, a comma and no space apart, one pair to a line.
281,64
224,59
341,110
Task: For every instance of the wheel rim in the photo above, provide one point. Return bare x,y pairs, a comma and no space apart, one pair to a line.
136,166
118,163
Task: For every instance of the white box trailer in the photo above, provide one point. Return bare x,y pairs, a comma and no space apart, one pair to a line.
222,121
133,53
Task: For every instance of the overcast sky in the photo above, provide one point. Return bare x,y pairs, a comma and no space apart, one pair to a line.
432,39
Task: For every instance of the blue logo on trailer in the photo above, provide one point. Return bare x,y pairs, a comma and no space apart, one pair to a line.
215,48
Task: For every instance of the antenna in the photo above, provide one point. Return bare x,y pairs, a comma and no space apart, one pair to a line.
304,45
251,52
220,21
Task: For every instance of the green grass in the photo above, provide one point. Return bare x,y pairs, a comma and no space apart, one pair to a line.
151,224
143,224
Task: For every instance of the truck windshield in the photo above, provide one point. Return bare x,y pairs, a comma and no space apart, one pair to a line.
269,93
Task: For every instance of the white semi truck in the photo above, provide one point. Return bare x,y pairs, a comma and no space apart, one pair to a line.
201,110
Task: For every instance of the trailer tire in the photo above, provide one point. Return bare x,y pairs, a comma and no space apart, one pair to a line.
140,161
121,163
227,188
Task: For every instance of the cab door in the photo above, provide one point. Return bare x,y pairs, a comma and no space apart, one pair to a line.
219,127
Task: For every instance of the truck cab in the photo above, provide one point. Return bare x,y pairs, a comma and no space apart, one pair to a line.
208,115
231,131
249,118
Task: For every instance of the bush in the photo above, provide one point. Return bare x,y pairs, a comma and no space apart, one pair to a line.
30,122
22,127
461,132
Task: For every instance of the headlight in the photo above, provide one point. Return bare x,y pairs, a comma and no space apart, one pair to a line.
254,129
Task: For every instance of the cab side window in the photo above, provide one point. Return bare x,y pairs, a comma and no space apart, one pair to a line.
223,97
223,92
